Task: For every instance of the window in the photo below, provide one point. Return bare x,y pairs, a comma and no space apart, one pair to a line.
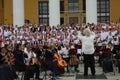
103,6
84,5
73,20
61,6
61,20
108,6
43,7
98,6
103,9
84,20
103,19
44,20
73,5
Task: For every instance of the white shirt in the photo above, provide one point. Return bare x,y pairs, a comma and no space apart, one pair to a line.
87,43
65,52
6,33
29,54
103,36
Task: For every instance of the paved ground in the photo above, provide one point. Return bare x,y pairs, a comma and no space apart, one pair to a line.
103,76
109,76
99,75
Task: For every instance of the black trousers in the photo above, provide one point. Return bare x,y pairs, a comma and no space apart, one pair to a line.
89,61
67,60
7,72
30,70
53,66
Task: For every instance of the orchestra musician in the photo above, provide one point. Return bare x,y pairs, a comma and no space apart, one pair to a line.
24,63
3,56
38,50
107,57
6,65
49,53
64,52
73,61
32,62
88,50
10,54
20,62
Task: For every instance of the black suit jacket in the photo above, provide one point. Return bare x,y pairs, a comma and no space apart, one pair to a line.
1,61
20,60
19,57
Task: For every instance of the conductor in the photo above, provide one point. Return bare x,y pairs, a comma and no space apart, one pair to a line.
87,40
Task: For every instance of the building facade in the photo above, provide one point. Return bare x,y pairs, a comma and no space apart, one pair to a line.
38,11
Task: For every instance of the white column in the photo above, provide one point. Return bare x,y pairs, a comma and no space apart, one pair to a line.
18,12
54,12
91,11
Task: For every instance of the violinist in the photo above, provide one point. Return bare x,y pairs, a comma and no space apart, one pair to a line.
20,63
3,56
10,54
7,70
32,61
38,51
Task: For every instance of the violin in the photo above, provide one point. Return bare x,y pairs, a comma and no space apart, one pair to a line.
34,60
9,58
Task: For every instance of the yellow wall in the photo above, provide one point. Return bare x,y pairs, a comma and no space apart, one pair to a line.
115,12
1,12
8,12
66,14
31,10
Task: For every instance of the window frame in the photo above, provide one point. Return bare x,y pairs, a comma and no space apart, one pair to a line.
73,6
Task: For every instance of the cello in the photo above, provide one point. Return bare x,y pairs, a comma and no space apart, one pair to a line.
60,62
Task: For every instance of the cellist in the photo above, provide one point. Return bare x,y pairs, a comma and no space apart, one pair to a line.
65,53
49,53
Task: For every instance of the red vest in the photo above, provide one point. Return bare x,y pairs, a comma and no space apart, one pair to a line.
48,35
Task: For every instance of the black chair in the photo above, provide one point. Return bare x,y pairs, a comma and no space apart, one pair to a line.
23,71
20,72
48,72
